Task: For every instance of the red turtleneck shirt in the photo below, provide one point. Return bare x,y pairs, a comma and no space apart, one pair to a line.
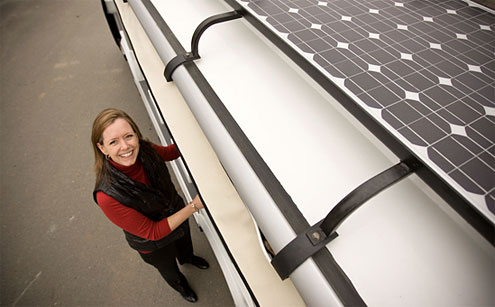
127,218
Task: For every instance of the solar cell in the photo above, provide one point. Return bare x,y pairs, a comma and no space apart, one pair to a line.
428,66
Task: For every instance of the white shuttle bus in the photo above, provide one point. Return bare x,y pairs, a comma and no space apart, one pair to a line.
344,149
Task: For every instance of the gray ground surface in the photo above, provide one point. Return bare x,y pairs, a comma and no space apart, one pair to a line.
59,68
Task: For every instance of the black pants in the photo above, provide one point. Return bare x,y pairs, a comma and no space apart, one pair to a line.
164,259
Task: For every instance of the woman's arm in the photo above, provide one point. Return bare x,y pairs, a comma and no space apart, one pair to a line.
131,220
134,222
167,153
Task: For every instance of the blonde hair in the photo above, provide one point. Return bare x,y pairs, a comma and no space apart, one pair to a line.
101,122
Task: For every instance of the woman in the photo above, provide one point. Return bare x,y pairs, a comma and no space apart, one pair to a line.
134,190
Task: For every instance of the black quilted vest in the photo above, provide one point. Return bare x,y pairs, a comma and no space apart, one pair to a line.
157,201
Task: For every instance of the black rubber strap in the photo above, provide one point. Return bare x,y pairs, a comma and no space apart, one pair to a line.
176,62
194,54
301,248
208,22
361,194
315,238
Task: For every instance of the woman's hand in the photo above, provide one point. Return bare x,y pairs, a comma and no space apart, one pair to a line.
179,217
198,204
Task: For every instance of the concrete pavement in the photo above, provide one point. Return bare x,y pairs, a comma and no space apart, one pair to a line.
59,68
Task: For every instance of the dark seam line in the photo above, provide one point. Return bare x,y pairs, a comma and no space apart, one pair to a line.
253,297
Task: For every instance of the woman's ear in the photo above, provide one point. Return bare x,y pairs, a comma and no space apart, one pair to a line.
100,147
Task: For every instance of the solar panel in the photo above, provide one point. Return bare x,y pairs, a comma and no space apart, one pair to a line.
424,69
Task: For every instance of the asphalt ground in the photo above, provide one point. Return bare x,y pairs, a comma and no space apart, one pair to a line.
59,68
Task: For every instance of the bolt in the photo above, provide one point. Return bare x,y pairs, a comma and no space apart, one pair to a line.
315,235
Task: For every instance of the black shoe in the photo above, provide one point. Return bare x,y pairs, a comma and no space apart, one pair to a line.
188,294
200,263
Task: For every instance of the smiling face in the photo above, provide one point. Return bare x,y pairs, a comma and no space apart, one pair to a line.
120,142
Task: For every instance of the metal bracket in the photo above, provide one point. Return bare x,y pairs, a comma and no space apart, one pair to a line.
315,238
194,53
